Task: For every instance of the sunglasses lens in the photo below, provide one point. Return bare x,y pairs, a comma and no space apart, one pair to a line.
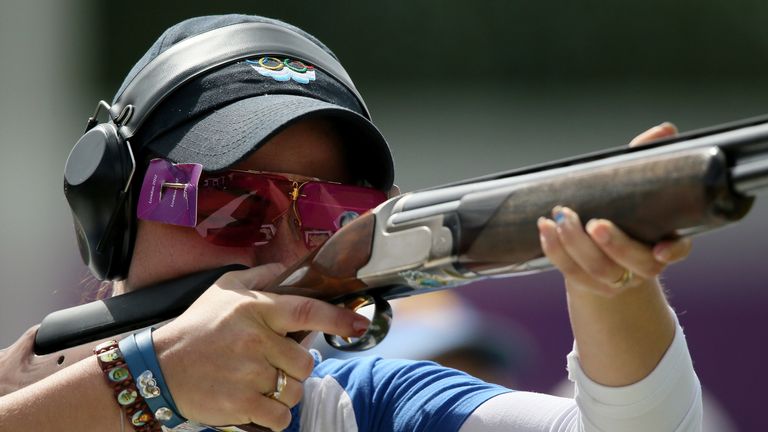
326,207
240,209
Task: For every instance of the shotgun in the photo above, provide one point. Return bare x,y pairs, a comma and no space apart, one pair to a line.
455,234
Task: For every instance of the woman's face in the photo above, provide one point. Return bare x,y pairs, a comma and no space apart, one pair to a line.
310,148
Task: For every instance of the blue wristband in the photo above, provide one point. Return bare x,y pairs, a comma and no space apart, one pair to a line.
139,353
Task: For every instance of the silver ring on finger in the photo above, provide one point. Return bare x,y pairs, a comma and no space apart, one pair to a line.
279,385
624,280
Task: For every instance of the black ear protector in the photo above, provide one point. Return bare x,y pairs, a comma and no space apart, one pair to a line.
101,166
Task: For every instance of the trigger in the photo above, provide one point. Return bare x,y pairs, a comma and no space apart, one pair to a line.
380,324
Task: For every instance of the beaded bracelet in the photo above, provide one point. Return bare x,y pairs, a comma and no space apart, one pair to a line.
139,353
119,378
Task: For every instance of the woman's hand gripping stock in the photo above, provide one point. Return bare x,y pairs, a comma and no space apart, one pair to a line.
620,318
221,357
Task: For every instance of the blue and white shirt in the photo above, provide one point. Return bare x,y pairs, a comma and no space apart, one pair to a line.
374,394
371,394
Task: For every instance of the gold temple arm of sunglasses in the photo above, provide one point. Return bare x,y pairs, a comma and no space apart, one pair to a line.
294,194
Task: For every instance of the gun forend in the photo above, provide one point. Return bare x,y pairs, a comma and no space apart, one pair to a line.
445,237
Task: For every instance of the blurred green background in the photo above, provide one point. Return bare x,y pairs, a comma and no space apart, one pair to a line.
459,88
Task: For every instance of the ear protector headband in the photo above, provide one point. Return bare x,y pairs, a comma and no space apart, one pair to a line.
100,168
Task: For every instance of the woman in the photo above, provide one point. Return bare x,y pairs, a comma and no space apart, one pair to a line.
280,120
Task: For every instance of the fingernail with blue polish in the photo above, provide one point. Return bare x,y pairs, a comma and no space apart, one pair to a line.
559,217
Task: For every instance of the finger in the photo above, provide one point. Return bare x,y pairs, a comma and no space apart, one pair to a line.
296,313
629,253
255,278
261,377
583,250
554,251
291,357
663,130
268,412
673,250
291,393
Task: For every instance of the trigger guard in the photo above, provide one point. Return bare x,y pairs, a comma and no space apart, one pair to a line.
380,324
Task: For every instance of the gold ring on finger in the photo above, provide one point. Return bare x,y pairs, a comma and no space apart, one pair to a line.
624,280
279,386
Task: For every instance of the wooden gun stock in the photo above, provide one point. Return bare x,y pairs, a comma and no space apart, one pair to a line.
68,336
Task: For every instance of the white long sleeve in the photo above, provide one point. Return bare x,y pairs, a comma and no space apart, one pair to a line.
667,400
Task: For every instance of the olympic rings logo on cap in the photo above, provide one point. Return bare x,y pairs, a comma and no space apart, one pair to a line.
284,70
